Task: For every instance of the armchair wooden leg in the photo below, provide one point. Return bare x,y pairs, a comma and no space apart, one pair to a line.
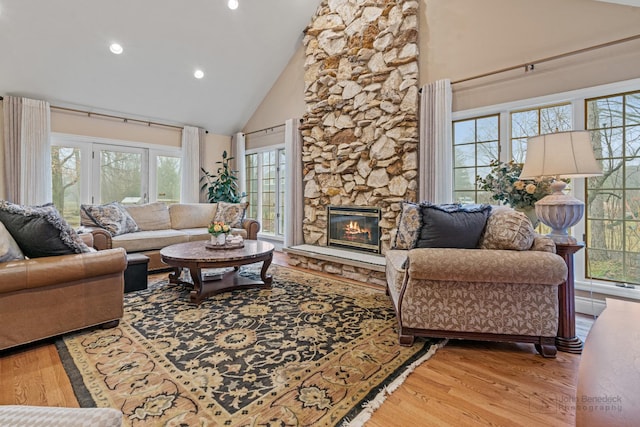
547,347
406,340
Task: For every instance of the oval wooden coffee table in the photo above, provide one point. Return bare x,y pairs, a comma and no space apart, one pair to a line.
196,256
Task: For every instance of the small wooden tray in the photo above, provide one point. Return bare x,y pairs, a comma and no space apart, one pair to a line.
225,246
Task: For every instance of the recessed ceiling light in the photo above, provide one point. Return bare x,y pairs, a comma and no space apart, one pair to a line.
198,74
233,4
116,48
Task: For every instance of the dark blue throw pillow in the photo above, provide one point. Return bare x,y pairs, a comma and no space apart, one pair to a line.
452,225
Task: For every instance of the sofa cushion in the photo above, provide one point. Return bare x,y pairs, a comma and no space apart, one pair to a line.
40,231
150,216
409,225
9,249
191,215
113,217
452,225
507,229
148,240
231,213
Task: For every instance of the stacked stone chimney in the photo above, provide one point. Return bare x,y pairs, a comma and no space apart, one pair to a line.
360,129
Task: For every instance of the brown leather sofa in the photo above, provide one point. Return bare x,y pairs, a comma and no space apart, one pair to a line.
49,296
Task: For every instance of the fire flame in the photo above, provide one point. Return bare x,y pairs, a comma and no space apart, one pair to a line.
353,228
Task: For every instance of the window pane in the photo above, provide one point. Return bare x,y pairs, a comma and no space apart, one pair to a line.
488,128
251,164
632,111
481,146
464,155
613,200
65,174
524,124
120,175
282,174
464,132
487,152
555,119
168,179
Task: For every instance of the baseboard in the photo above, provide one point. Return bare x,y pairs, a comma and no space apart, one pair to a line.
590,306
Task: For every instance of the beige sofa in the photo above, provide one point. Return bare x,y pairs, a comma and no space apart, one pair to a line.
480,294
48,296
162,225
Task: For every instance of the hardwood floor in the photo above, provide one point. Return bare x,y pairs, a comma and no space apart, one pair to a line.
464,383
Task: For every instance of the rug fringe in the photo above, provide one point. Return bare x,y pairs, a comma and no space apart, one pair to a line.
371,406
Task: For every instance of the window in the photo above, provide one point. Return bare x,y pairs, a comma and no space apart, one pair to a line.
475,144
93,170
613,199
611,224
265,189
66,165
536,121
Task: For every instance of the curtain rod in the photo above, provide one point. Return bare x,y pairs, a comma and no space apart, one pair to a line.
265,129
529,66
124,119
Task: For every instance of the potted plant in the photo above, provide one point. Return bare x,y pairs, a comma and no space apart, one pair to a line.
219,231
223,185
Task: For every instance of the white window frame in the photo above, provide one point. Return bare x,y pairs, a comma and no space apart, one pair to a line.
279,234
577,99
87,145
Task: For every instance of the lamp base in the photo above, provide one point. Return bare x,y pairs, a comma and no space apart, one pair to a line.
560,211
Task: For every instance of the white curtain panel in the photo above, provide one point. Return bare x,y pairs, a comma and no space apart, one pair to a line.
190,165
27,151
12,128
238,152
294,201
436,150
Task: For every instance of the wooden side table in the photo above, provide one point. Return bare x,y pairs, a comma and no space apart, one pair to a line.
566,340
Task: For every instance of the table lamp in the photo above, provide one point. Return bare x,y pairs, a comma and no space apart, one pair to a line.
560,155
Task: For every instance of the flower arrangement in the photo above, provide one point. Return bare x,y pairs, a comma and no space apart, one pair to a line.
505,185
217,228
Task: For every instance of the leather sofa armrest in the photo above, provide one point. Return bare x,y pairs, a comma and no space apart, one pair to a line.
87,238
101,239
48,271
252,228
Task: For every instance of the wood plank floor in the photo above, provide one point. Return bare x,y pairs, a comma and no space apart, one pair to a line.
464,384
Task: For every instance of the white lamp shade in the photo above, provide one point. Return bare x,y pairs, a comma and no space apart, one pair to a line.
562,154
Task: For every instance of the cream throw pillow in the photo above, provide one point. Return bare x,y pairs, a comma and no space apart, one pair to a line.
508,229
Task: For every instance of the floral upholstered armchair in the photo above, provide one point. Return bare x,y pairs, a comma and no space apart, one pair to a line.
503,287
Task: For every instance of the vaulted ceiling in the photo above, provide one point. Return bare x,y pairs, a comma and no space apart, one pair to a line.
59,51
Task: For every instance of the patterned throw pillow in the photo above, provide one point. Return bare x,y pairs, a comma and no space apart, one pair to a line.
508,229
40,231
231,213
113,217
9,249
409,225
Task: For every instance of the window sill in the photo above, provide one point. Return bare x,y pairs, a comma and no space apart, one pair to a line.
609,290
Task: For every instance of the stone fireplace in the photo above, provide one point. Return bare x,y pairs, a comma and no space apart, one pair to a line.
360,129
354,228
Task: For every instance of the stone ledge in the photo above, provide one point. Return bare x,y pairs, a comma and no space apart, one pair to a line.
341,256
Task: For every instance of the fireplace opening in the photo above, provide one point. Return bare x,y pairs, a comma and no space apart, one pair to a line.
354,227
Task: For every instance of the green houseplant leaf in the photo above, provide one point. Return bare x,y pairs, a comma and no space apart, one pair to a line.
223,185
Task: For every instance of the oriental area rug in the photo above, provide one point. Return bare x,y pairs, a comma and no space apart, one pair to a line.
309,351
